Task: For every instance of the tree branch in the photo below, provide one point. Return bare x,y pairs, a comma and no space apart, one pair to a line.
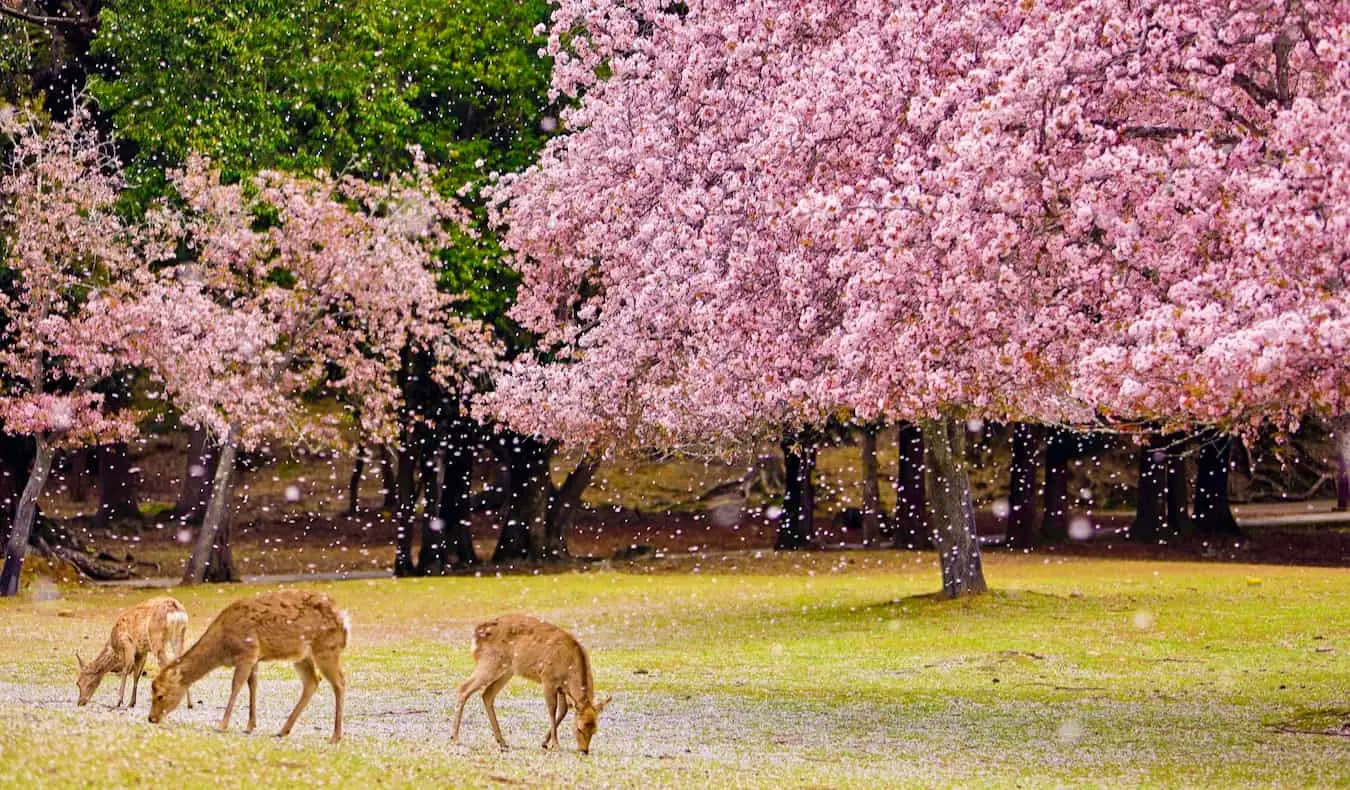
45,21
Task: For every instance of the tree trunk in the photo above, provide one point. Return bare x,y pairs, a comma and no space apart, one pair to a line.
951,511
220,563
16,547
388,481
1213,514
797,526
1178,489
1340,428
526,509
911,510
871,496
1055,521
447,539
1026,445
118,490
562,510
354,484
217,511
1150,518
405,501
197,476
79,475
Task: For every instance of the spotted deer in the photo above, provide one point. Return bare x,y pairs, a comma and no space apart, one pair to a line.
157,626
542,652
302,627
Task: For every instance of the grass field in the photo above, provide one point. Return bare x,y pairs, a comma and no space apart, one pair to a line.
826,670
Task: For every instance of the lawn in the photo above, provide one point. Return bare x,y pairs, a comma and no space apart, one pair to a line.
828,670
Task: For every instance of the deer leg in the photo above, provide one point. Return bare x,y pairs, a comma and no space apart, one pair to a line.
241,672
562,714
331,668
122,690
489,694
252,699
310,681
136,676
482,676
551,700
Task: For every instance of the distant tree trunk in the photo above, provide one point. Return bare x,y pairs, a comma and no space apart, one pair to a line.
911,510
952,514
562,510
1178,489
354,484
871,494
79,475
1213,514
1341,433
209,539
405,499
526,510
1150,518
1026,445
25,514
1055,521
118,488
197,477
797,527
388,481
447,540
220,566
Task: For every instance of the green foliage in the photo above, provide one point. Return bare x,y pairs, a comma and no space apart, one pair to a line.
340,86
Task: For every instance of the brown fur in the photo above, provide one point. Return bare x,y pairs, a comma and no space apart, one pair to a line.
520,645
289,625
145,628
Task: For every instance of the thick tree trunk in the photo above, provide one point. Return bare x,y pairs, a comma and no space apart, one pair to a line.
405,503
25,513
79,475
447,539
220,562
217,511
1178,489
354,484
388,481
1340,428
1026,445
526,510
118,496
952,514
566,502
797,526
1150,517
911,509
1055,520
1213,514
871,494
197,476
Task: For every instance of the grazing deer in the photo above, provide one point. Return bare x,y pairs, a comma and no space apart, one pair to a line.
518,645
152,626
288,625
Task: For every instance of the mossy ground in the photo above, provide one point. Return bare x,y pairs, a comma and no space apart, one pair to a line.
829,670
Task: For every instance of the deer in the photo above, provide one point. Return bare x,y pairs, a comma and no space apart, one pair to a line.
157,626
305,628
539,651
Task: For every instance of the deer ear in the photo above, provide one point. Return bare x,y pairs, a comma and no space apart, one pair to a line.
79,661
600,706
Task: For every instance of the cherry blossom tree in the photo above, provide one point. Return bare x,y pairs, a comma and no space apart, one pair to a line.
72,268
1062,212
301,285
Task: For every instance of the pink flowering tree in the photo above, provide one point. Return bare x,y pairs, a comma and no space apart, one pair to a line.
1058,212
71,267
301,285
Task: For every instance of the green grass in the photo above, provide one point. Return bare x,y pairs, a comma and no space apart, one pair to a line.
827,670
